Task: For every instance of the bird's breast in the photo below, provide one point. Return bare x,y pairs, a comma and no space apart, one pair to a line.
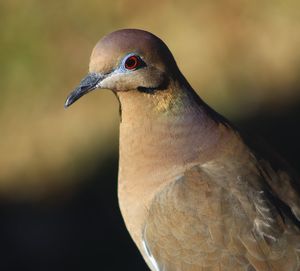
150,157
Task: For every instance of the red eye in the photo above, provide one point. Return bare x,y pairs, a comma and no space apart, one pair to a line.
132,62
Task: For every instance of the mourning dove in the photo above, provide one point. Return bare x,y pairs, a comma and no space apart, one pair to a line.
194,193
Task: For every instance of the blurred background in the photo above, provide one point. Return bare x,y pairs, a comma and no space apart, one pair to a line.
58,168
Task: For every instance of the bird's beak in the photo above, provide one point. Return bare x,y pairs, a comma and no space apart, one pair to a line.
87,84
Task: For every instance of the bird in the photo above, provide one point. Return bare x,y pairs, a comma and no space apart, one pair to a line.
195,193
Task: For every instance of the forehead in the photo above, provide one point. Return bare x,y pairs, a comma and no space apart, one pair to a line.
112,48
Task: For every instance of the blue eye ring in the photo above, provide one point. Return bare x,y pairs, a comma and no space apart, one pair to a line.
132,62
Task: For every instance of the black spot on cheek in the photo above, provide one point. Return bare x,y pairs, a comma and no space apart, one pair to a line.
151,90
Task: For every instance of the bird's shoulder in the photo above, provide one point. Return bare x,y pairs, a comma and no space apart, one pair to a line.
186,225
207,218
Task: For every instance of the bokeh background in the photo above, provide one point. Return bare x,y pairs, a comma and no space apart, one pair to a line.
58,168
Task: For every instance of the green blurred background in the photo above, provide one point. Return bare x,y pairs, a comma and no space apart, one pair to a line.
58,168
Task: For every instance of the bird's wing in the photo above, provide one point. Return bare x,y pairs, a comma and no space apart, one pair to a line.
283,180
207,220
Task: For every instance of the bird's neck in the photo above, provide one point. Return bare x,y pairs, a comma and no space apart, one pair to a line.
163,131
160,137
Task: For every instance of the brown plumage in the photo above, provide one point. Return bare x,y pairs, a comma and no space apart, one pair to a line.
194,194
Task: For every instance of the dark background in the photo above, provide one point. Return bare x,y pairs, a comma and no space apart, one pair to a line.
58,168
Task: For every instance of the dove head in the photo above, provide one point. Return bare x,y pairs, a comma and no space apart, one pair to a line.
129,60
156,101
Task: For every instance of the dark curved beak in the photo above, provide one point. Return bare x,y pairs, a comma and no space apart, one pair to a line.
87,84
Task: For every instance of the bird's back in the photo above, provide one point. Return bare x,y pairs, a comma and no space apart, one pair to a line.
223,215
195,195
